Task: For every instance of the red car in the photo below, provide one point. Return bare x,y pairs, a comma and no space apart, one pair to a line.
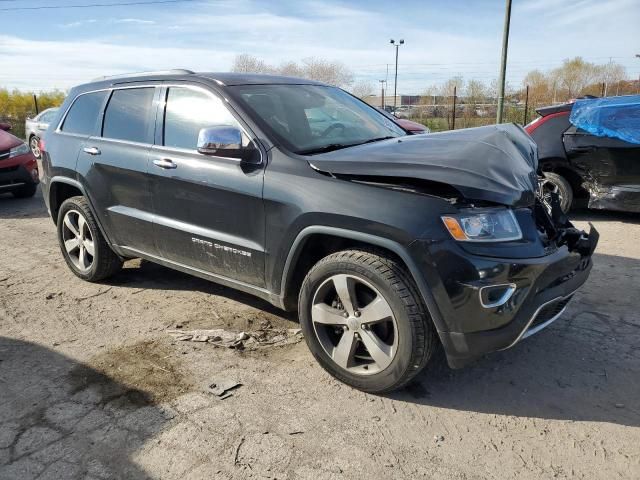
414,128
18,167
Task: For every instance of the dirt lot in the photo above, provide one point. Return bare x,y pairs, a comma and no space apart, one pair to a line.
93,386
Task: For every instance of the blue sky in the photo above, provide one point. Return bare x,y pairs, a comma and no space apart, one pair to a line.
43,49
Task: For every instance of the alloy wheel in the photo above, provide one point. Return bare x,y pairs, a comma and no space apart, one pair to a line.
354,324
78,241
34,144
547,187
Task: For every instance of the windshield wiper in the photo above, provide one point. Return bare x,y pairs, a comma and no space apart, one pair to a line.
337,146
379,139
327,148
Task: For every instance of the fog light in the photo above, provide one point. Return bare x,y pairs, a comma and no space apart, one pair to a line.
34,174
496,295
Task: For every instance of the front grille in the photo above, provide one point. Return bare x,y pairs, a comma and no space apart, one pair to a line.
549,311
4,154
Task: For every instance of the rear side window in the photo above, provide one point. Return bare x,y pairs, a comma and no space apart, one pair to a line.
129,115
188,111
81,118
47,116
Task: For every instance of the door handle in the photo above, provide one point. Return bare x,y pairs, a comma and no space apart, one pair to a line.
165,163
91,150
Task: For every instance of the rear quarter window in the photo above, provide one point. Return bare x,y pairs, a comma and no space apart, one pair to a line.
82,116
129,115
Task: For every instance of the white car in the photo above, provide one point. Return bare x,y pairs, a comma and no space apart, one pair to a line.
35,127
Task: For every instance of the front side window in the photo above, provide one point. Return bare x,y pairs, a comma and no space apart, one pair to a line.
187,112
309,119
81,118
129,115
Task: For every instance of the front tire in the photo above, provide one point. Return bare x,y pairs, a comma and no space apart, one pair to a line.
82,244
558,184
364,320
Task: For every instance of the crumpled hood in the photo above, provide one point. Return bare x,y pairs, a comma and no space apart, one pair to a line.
496,163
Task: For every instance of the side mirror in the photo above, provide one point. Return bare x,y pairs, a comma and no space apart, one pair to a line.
227,141
5,126
224,141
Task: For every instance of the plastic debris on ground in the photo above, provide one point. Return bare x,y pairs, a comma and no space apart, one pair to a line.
255,339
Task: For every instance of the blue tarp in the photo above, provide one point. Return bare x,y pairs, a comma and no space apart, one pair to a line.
617,117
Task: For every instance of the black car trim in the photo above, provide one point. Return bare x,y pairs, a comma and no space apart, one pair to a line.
425,291
226,281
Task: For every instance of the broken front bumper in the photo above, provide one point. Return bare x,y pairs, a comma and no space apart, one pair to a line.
532,293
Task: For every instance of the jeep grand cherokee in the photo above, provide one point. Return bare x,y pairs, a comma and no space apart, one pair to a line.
303,195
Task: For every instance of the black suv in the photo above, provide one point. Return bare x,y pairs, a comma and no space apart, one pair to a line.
299,193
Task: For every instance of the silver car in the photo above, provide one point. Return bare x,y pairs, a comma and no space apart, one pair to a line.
36,126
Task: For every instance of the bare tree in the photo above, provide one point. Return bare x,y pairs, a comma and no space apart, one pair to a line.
446,89
611,74
331,72
290,69
362,89
575,75
245,63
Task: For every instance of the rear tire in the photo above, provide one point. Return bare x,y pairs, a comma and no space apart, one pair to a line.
562,187
371,278
26,191
82,244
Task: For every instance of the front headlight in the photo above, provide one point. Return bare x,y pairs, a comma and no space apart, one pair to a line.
491,225
19,150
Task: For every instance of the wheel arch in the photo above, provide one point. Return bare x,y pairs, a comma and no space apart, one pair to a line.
316,242
62,188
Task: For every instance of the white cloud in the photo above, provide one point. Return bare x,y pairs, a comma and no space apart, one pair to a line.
139,21
543,32
78,23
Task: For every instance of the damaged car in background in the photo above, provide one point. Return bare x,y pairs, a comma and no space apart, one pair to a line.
589,152
303,195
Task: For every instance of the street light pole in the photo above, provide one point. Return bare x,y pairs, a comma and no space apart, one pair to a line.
503,63
395,83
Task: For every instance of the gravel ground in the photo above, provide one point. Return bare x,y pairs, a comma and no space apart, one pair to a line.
92,385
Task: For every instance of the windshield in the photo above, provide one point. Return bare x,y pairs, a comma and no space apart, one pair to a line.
310,119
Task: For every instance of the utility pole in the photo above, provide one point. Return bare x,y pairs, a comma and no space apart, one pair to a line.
526,106
395,83
382,96
503,63
638,56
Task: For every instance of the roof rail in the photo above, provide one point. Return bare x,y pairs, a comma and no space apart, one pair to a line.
175,71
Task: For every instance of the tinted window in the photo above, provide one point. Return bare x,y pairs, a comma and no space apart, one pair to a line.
46,117
187,112
83,114
129,115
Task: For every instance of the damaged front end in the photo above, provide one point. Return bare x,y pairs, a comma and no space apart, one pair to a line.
556,229
484,293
